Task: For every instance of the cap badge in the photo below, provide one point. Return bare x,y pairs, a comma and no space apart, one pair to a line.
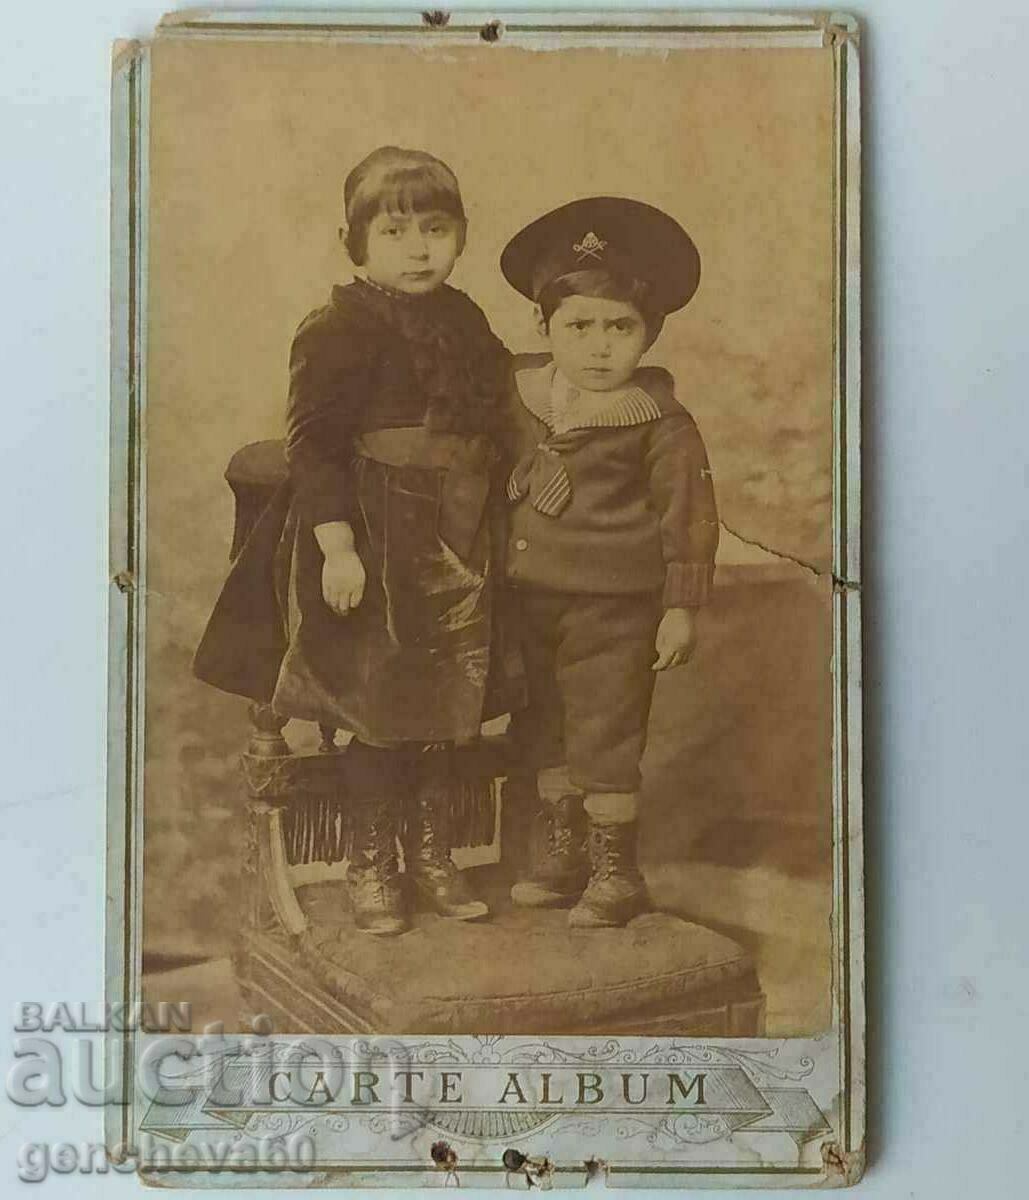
590,247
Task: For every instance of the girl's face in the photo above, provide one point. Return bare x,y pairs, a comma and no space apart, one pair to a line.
597,343
412,252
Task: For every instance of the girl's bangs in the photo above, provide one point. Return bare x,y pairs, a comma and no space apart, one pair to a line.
416,191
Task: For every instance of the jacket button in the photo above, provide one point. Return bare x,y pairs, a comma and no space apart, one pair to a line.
521,544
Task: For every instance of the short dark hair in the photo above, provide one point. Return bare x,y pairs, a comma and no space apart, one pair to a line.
603,285
393,180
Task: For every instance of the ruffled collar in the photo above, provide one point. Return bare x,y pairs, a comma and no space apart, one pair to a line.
414,299
445,309
538,387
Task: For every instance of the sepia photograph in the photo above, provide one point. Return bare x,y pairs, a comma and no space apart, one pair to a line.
516,644
496,526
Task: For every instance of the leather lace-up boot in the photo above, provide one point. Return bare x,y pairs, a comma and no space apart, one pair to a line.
374,782
427,845
558,868
373,876
616,891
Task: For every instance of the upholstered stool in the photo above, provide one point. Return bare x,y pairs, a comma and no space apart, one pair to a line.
521,972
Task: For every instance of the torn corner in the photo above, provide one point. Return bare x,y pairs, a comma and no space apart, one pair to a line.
839,28
124,50
118,1155
182,16
843,1168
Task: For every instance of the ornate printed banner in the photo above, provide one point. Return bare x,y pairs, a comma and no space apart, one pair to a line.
352,1094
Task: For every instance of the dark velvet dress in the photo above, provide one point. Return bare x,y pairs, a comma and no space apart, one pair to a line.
393,407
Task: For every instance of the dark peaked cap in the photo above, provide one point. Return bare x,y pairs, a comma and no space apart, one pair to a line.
625,237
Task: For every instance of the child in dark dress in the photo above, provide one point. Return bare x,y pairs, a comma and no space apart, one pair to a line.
384,570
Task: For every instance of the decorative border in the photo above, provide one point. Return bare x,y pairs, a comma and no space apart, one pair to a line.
130,92
741,1088
129,205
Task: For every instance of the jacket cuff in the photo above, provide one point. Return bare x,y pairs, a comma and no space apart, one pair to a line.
321,496
327,514
688,585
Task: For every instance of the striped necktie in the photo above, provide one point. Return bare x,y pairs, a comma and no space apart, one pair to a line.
542,476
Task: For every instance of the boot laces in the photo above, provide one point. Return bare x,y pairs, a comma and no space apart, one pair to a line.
608,856
375,850
432,846
559,832
559,828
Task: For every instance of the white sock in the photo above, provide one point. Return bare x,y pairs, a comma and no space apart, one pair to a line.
613,808
554,783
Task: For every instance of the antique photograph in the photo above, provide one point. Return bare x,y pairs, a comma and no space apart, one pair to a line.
490,498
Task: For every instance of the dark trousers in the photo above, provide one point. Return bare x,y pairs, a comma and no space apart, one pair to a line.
588,664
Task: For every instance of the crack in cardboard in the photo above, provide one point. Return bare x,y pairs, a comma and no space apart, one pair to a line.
800,562
839,584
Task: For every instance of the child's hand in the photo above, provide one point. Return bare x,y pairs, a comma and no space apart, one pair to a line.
676,638
343,581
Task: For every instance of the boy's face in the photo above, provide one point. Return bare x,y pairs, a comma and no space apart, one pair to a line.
597,344
412,252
